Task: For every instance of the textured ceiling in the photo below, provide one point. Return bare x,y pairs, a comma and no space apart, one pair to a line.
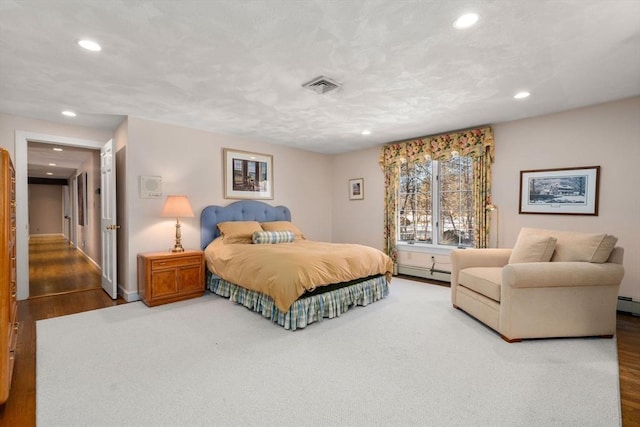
66,162
236,67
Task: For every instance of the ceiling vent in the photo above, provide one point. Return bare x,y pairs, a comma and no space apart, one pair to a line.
322,84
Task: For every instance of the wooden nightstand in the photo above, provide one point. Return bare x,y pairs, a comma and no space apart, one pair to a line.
165,277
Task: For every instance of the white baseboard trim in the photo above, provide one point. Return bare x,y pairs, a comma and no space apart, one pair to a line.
128,296
88,258
426,273
628,305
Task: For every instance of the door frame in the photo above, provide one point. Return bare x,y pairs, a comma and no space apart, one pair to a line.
22,139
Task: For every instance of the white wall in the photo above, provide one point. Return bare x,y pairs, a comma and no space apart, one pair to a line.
45,209
314,186
190,162
358,221
90,236
9,124
607,135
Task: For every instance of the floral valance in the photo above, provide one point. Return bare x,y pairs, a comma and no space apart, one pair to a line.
468,143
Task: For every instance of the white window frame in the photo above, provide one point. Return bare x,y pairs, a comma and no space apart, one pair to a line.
435,248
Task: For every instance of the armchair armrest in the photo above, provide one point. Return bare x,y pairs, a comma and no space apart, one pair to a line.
561,274
559,299
467,258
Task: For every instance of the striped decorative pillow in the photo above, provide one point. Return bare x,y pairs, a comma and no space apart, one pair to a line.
260,237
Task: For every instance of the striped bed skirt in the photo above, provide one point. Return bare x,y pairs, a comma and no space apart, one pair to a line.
307,309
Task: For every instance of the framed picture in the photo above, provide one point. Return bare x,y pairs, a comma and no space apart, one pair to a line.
82,199
356,189
568,191
247,175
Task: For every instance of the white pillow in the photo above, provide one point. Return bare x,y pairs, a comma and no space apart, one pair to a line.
574,246
604,249
532,248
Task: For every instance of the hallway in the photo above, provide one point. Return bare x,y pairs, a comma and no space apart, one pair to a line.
55,267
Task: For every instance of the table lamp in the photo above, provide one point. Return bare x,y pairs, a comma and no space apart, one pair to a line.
177,206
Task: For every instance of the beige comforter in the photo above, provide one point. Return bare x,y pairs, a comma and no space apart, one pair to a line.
284,271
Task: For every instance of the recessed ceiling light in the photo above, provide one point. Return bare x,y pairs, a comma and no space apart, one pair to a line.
90,45
465,21
57,149
49,173
366,132
69,113
521,95
52,164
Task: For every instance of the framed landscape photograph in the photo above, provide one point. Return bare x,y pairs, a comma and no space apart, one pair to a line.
568,191
356,189
247,175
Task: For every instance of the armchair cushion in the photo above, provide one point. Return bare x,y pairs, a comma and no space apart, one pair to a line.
533,248
484,280
573,246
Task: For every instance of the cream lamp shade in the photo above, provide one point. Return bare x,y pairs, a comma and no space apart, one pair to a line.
177,207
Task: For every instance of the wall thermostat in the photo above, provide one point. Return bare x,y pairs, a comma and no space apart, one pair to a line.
150,187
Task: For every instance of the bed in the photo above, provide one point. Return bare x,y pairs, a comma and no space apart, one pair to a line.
296,290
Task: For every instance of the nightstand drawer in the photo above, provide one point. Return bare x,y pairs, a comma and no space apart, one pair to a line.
177,262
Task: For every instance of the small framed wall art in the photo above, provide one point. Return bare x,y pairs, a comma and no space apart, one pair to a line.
356,189
247,175
83,219
567,191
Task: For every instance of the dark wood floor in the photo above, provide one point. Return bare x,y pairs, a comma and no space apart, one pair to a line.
56,268
20,409
628,336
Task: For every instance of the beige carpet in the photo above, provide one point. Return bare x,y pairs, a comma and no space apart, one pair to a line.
410,359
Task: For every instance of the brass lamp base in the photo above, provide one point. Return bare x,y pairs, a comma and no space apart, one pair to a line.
178,246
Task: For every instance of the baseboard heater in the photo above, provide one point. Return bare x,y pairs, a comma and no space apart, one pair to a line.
426,273
628,305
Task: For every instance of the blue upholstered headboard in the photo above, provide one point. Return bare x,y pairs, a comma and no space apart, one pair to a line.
244,210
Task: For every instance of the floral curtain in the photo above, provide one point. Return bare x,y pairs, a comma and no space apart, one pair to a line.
475,143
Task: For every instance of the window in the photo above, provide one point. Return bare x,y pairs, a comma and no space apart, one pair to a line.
439,204
435,202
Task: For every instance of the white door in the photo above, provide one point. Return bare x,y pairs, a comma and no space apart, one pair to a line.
108,219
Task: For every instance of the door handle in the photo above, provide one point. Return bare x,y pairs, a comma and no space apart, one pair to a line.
112,227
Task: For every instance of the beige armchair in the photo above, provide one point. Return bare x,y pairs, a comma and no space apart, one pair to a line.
552,284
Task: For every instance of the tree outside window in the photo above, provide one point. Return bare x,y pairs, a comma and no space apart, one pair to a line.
435,202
